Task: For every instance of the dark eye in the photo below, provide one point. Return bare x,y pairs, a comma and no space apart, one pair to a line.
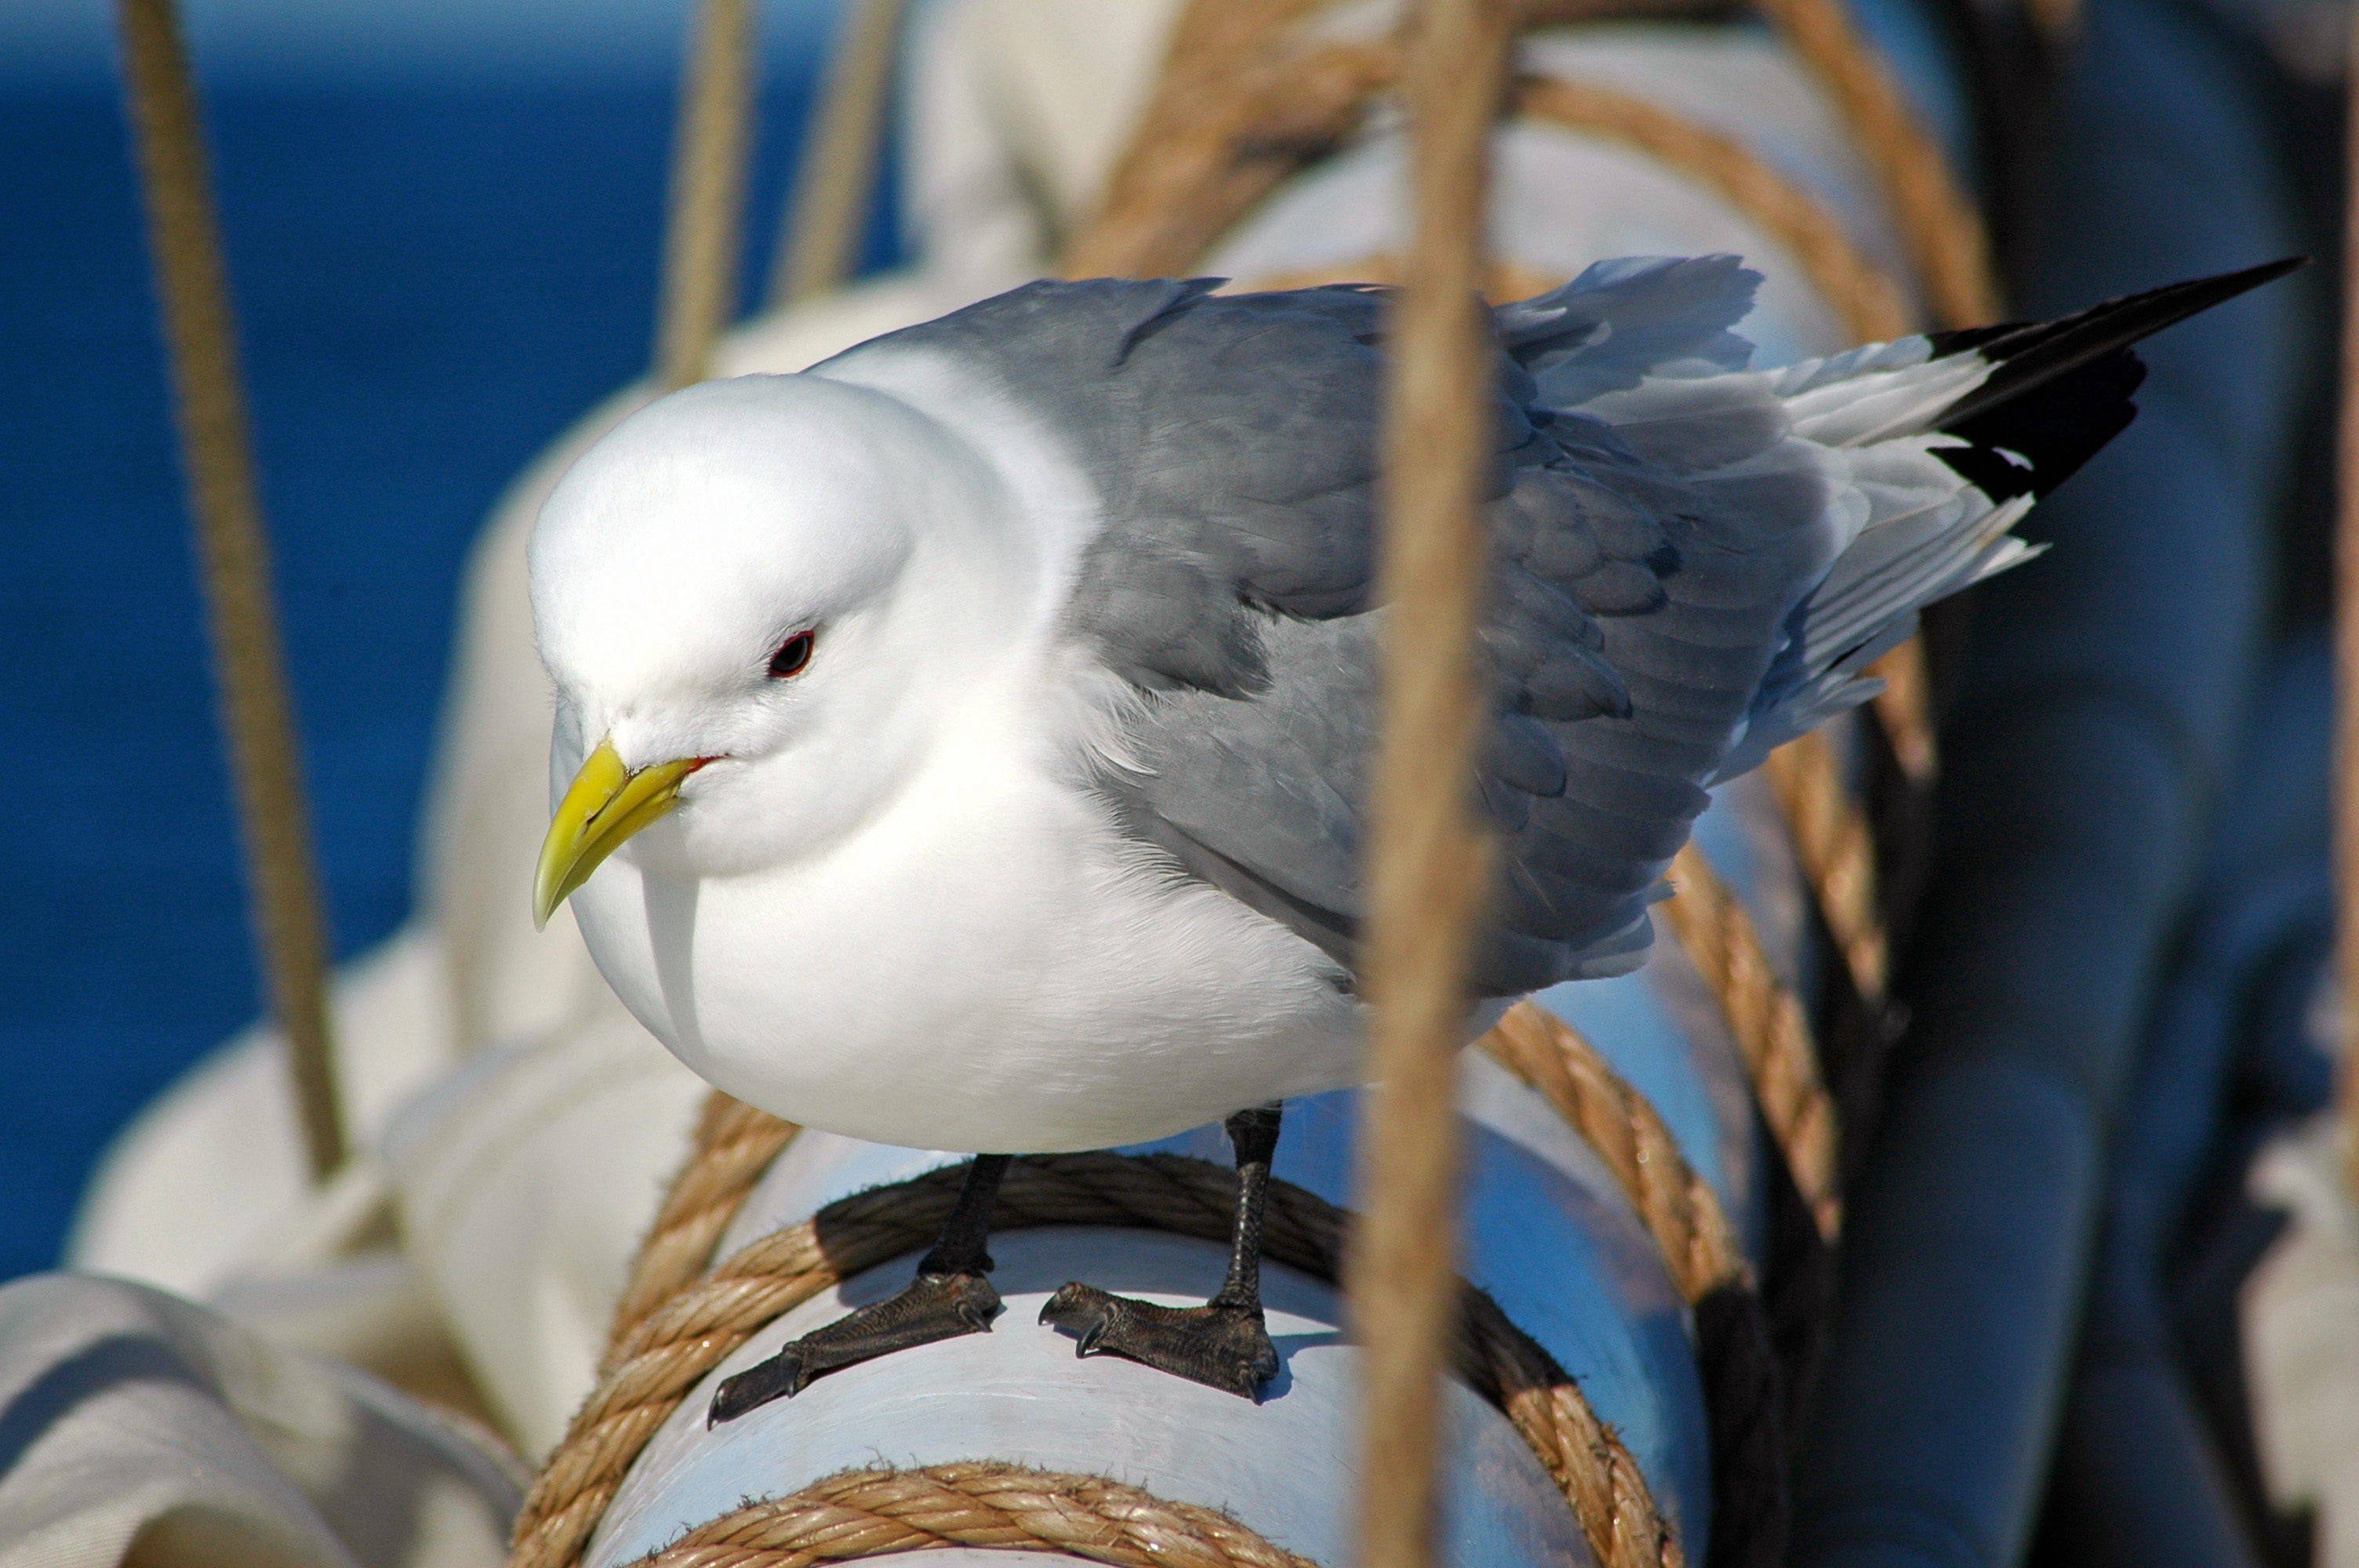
793,654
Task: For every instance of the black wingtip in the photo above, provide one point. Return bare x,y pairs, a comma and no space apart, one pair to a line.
2030,355
2063,389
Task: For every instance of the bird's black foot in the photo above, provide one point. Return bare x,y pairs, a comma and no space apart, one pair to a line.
950,1296
933,1306
1222,1343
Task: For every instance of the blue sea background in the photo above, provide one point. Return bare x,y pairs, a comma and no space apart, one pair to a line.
443,222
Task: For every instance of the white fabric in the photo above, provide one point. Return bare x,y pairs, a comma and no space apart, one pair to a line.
2299,1317
210,1175
135,1428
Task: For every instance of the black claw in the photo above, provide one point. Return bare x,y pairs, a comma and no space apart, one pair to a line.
933,1306
781,1377
1222,1343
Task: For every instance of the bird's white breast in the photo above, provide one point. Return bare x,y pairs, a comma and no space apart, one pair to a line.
987,966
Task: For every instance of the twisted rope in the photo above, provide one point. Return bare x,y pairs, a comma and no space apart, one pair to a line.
1773,1036
1430,860
1947,244
820,240
1832,840
734,1145
982,1505
1678,1206
708,183
671,1350
1869,303
1744,1391
258,718
1905,706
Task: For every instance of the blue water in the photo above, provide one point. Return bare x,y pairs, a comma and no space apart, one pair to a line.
431,283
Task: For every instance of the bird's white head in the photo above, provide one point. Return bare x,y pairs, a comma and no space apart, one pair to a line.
741,596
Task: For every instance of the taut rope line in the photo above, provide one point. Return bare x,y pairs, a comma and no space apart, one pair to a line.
824,217
257,716
1773,1033
708,186
1430,863
1678,1206
1866,300
2346,658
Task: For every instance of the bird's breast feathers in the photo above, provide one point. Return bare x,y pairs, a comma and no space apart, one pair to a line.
989,965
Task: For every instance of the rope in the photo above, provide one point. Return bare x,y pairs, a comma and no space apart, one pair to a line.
1837,851
1867,300
1943,235
1744,1392
2346,662
734,1144
1677,1205
1430,864
257,716
1772,1034
1905,705
708,180
671,1350
985,1506
821,232
1207,149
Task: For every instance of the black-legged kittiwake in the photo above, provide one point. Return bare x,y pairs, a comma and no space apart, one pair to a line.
989,709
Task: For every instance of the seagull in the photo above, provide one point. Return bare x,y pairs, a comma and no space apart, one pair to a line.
965,743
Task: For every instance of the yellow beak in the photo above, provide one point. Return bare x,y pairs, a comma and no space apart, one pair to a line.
605,804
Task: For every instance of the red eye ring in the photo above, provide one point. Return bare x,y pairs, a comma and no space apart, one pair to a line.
793,657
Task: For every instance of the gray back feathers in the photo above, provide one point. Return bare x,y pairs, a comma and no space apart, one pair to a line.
1657,527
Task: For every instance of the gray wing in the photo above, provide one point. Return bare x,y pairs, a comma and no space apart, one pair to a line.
1642,579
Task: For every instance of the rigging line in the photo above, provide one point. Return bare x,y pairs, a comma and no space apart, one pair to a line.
233,556
708,192
819,239
1430,864
2346,660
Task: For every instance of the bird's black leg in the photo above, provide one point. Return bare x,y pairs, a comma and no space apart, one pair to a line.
1222,1343
950,1296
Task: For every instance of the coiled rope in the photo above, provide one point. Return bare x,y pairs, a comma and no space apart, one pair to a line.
668,1352
734,1144
981,1505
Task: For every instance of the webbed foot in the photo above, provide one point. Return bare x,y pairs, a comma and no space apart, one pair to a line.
933,1306
1222,1343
